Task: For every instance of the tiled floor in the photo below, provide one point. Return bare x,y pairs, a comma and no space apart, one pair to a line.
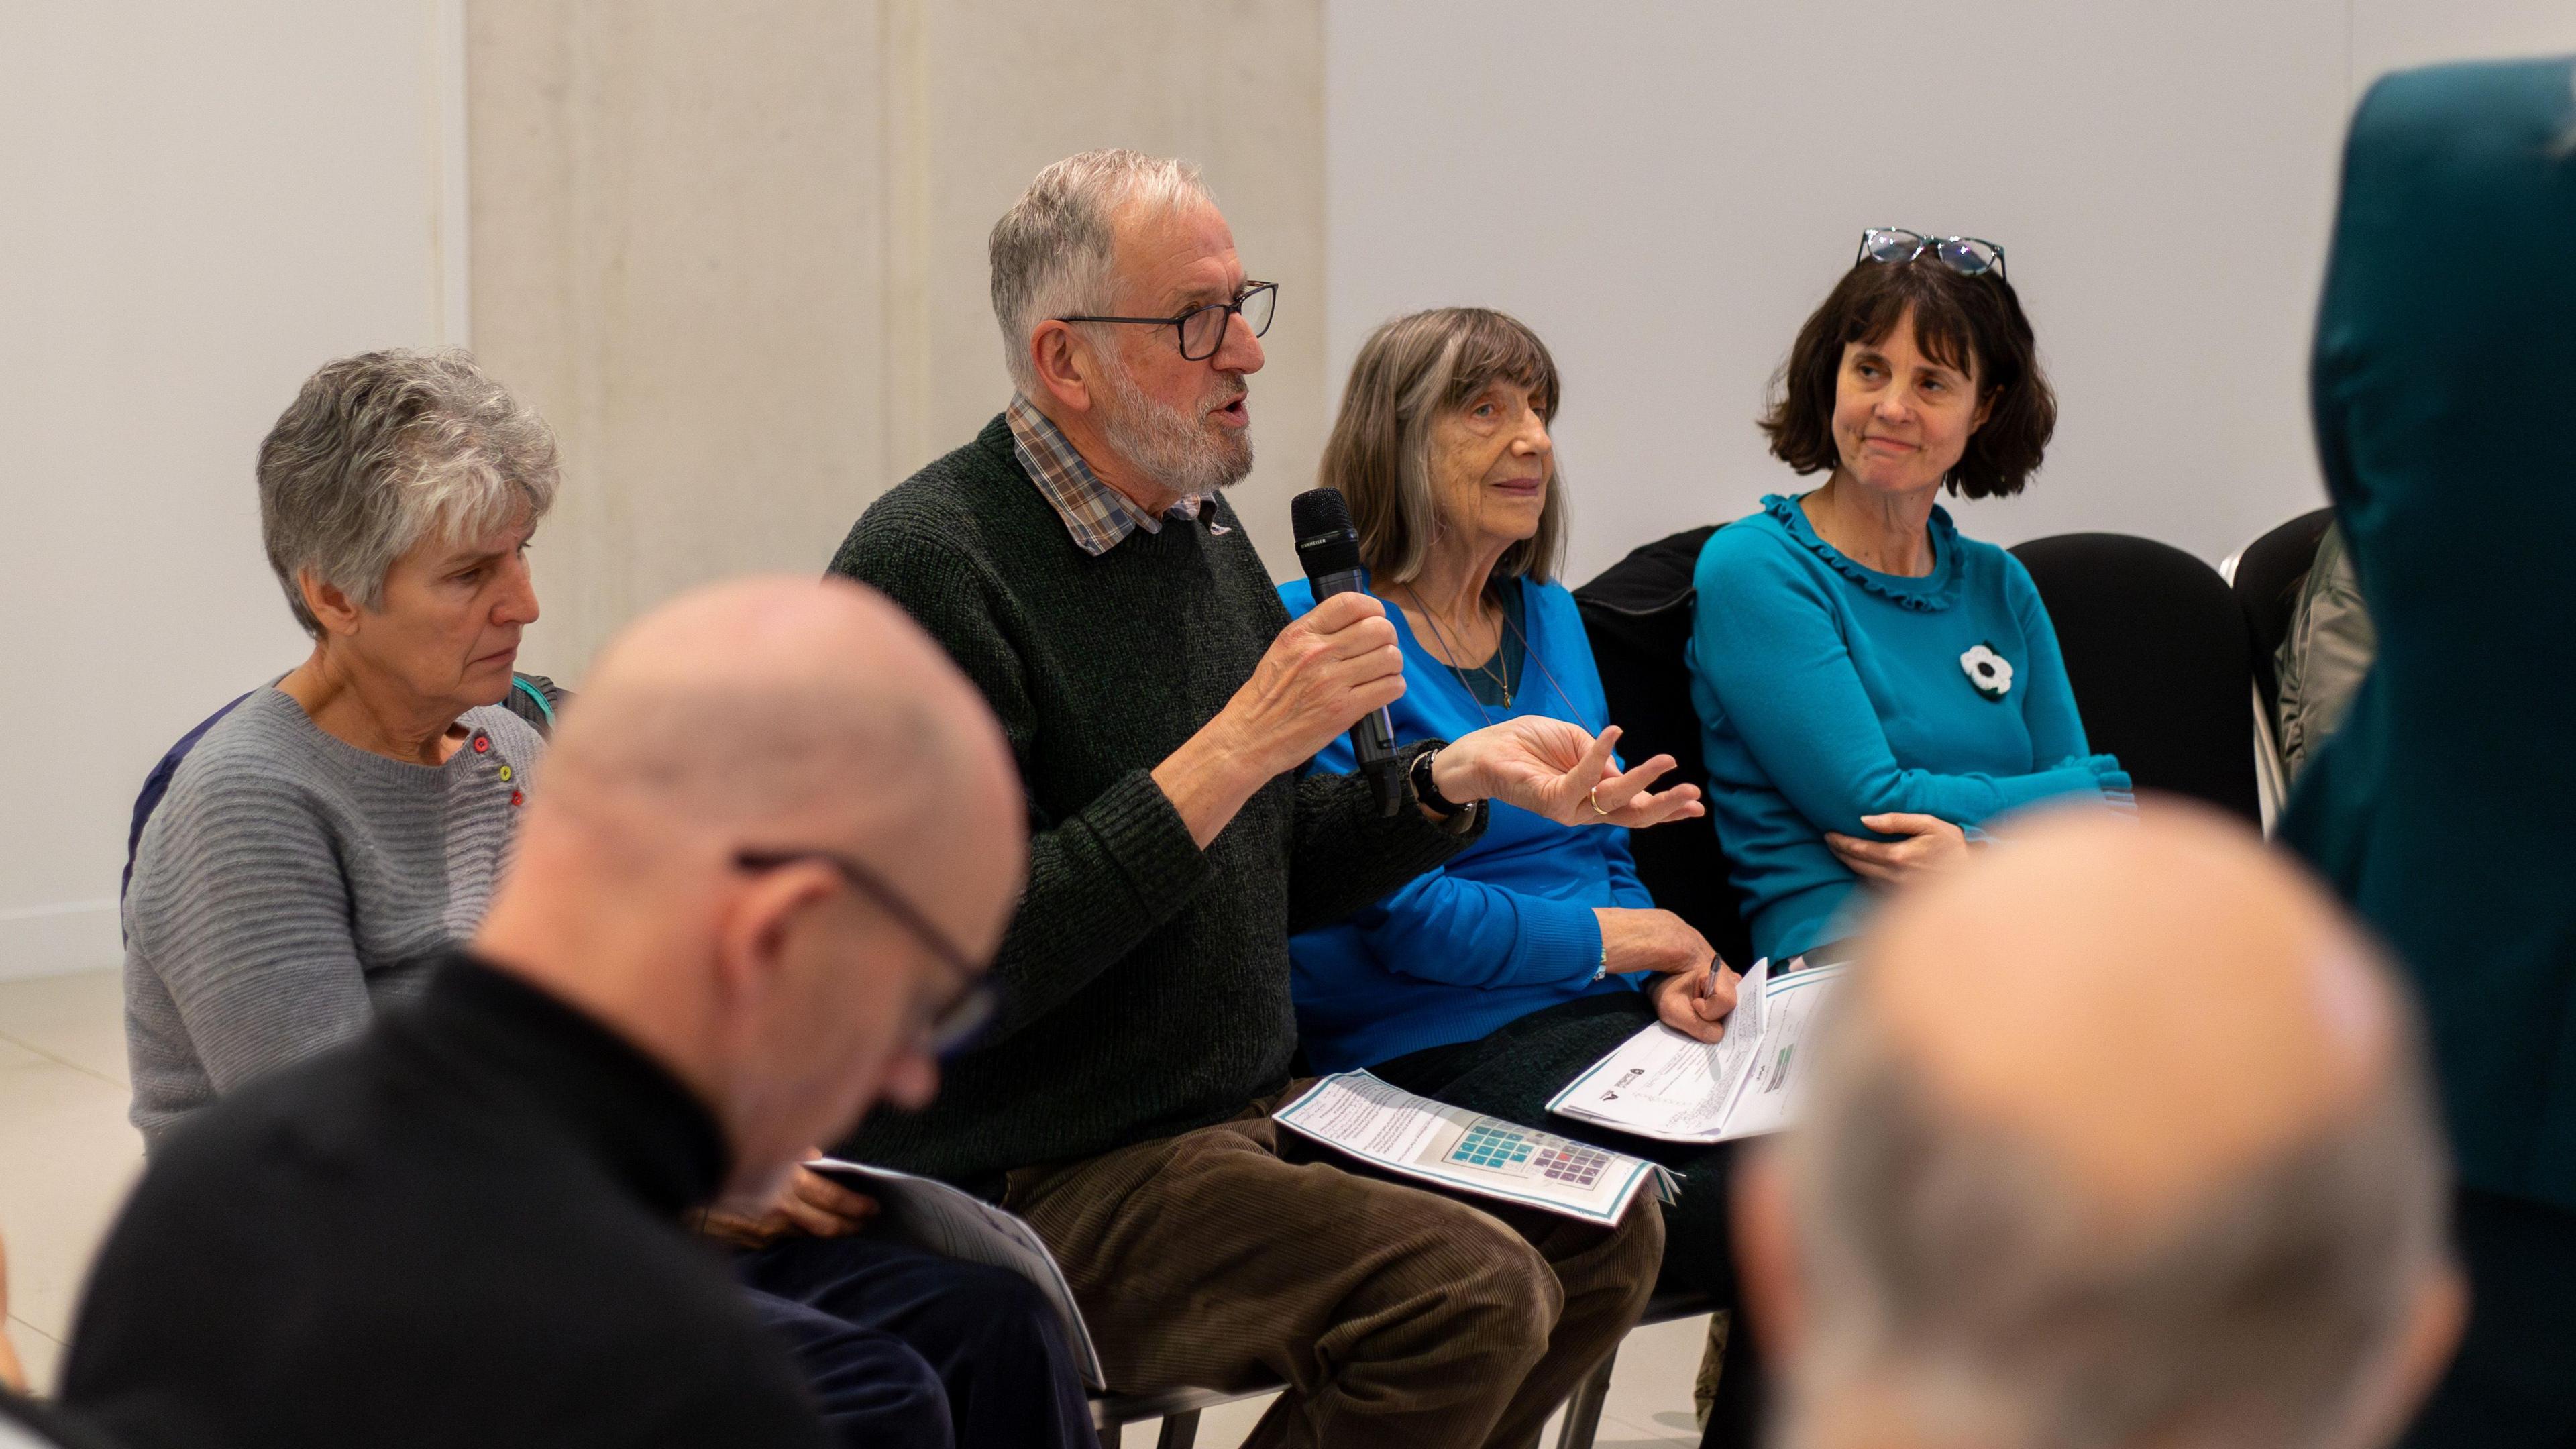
66,1152
1649,1404
67,1157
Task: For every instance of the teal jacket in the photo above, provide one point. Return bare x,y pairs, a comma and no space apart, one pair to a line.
2444,385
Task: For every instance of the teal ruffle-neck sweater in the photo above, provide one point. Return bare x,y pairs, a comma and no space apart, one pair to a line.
1827,691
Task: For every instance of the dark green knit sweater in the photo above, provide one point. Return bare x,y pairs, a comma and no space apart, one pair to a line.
1145,981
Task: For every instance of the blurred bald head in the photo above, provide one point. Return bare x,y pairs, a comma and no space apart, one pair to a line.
810,719
2123,1140
786,707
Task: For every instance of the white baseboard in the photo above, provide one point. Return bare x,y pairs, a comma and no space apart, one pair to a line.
50,940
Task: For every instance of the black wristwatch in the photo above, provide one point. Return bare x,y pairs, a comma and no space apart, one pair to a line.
1427,792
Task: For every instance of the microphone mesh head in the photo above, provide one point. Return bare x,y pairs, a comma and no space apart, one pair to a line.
1319,510
1326,543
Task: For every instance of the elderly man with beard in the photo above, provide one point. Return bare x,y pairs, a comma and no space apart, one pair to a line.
1079,563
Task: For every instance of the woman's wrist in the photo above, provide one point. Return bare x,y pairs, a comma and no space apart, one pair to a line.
1608,917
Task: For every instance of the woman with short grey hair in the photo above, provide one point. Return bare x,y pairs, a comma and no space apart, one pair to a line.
328,840
330,835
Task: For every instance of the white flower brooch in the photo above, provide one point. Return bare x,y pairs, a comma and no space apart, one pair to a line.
1990,672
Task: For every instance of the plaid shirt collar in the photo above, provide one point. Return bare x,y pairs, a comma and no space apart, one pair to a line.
1098,516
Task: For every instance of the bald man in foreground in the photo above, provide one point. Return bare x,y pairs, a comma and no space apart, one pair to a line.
778,837
2122,1142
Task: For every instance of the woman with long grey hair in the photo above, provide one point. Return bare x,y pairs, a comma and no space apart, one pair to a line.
1491,981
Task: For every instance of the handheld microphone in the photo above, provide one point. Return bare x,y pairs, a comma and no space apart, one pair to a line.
1329,548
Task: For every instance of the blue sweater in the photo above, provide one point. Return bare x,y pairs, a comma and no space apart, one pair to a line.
1506,927
1827,691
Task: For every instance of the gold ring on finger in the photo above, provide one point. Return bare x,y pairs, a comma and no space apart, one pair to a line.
1592,797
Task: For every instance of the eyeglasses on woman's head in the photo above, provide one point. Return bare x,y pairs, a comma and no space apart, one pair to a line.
1967,255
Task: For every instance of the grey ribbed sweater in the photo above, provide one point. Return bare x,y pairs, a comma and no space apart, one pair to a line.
1145,981
290,884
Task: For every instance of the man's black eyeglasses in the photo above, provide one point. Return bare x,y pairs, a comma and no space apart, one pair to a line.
954,1026
1202,329
1967,255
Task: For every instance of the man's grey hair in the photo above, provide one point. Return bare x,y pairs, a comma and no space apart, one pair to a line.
384,449
1053,251
1956,1274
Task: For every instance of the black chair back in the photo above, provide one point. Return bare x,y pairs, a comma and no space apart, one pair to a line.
2268,575
2156,651
1638,617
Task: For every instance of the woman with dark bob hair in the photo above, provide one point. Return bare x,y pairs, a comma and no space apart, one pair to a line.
1872,687
1490,982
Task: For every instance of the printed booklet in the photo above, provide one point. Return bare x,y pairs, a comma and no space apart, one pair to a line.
938,1217
1469,1152
1662,1084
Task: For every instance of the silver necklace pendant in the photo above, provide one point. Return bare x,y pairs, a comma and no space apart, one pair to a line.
1502,678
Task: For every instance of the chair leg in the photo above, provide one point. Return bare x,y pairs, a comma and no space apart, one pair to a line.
1583,1411
1180,1431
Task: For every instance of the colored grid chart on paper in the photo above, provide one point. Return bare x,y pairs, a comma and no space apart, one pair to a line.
1502,1148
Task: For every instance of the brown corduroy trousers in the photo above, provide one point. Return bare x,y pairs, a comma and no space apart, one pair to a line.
1395,1314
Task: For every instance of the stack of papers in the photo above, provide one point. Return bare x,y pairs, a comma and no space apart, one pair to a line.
1469,1152
1662,1084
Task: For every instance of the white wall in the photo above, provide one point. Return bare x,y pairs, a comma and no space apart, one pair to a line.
678,227
1235,85
741,268
197,205
1666,190
200,203
735,253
